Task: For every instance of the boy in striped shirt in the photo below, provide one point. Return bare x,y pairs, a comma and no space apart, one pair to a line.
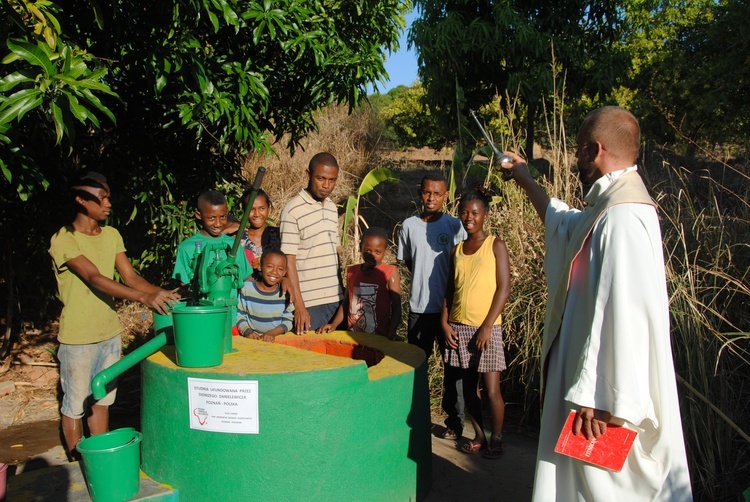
263,311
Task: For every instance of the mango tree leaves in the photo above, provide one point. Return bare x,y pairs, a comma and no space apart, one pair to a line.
494,46
53,85
193,84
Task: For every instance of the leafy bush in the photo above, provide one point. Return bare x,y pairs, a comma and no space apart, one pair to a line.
408,118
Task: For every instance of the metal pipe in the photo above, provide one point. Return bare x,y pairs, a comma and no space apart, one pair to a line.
100,381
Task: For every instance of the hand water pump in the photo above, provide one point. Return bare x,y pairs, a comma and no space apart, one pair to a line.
215,276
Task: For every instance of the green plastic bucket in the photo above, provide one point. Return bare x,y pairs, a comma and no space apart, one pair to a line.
163,323
112,463
199,335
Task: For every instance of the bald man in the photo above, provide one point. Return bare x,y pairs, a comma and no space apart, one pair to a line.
606,352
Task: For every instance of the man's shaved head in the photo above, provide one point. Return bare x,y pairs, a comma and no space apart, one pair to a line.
616,129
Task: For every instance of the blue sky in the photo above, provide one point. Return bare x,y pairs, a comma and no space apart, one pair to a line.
402,64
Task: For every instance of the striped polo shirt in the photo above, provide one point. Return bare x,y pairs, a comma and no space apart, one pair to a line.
310,231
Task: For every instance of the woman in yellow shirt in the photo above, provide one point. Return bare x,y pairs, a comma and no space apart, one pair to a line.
471,319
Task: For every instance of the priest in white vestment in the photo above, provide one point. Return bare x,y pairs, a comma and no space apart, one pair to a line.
606,351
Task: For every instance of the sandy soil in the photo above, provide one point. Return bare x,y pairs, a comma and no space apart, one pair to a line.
455,475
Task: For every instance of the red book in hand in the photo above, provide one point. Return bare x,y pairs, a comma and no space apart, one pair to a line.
609,450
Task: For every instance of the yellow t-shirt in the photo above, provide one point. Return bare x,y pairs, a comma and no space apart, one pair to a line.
475,278
88,316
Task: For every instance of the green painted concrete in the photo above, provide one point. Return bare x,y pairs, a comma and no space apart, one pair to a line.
330,428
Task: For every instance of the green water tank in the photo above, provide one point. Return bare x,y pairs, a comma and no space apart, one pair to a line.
343,416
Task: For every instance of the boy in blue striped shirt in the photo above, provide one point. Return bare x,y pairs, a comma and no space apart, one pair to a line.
263,311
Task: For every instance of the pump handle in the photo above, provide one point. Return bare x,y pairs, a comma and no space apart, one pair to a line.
259,179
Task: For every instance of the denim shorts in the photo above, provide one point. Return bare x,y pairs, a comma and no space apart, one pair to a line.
79,364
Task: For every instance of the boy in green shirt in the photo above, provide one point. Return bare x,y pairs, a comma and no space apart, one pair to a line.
212,214
85,256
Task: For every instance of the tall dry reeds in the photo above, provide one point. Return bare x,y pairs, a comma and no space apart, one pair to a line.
705,218
517,223
704,211
705,223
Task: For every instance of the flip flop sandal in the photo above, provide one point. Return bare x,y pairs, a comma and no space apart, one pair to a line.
494,452
450,434
472,447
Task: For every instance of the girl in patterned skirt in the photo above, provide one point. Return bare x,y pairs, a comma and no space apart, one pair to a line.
472,316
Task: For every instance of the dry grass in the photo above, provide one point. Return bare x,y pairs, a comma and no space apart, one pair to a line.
349,138
352,139
136,320
705,223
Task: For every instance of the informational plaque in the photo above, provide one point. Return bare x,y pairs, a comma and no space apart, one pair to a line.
229,406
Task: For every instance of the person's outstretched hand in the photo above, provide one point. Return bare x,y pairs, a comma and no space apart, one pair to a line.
518,167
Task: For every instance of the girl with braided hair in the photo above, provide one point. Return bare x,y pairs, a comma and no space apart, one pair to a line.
472,316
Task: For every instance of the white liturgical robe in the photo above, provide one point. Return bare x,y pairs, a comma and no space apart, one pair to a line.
610,347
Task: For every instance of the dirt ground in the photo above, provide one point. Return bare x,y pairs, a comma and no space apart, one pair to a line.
455,475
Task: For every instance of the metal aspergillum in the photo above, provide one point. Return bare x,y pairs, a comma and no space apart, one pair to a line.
501,157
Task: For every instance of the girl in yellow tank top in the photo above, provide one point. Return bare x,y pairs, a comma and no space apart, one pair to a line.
471,319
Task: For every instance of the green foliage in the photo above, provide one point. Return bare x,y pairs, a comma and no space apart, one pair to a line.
249,67
48,87
369,183
409,118
691,76
51,92
225,77
487,48
193,85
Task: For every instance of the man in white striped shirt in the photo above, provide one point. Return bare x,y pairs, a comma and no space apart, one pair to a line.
309,237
